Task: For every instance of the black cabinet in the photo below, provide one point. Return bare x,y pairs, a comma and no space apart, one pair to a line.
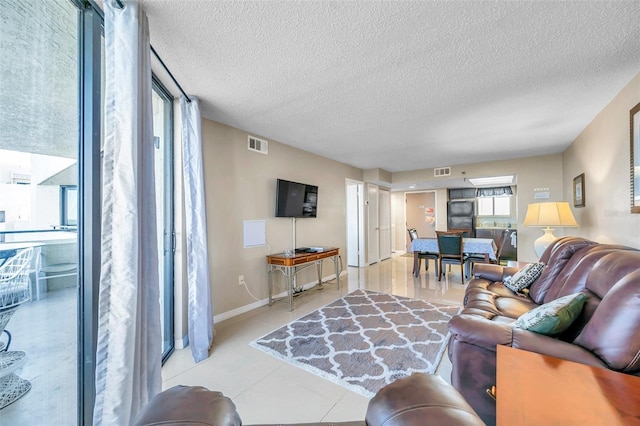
460,193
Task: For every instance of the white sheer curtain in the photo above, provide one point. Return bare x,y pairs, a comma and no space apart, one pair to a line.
200,309
129,340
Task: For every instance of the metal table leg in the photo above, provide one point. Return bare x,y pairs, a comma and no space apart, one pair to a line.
290,274
270,274
335,262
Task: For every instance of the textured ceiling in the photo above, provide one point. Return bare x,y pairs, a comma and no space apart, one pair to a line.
39,77
402,85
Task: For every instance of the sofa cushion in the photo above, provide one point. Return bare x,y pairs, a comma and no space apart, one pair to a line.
514,307
555,257
612,333
573,277
524,277
554,317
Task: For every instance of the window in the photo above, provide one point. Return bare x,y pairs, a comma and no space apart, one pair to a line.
69,205
494,206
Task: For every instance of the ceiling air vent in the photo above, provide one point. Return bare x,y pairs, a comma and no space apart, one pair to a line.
442,171
258,145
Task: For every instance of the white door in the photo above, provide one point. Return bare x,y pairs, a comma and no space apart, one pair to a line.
384,199
355,224
373,226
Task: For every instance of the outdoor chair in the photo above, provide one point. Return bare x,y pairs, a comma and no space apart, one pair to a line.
15,289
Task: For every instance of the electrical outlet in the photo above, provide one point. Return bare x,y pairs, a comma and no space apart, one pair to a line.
240,279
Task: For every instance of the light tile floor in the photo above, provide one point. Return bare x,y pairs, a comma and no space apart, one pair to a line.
264,389
267,390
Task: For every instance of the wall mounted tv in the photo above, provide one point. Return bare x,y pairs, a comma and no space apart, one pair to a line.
295,199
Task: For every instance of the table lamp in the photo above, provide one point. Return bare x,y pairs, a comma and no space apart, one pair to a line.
548,215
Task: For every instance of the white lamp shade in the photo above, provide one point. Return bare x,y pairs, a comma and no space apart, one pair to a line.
550,214
547,215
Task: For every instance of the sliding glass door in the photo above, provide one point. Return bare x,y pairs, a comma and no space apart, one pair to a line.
163,140
39,176
51,122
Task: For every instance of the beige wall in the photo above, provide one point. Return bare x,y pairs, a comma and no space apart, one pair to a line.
532,172
602,153
240,185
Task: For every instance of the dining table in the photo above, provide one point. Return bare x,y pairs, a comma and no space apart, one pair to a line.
485,246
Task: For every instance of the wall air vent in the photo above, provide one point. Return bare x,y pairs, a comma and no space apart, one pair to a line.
442,171
258,145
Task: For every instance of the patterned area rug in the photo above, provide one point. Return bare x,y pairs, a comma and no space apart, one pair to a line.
364,340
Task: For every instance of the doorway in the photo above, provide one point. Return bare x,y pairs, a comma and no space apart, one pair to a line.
421,214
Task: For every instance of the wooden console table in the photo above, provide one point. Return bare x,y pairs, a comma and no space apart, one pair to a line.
289,266
534,389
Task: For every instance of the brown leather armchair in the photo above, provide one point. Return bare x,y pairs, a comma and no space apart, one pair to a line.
416,400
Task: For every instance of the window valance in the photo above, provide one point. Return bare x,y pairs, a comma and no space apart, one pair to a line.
497,191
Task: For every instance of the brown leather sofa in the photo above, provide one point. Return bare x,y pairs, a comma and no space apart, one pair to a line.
606,334
417,400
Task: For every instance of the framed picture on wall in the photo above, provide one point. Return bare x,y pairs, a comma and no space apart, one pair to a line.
578,191
635,159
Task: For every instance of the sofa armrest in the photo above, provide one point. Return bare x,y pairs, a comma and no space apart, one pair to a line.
545,345
493,272
418,400
480,331
488,271
189,405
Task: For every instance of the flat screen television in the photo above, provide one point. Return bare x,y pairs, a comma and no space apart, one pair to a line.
294,199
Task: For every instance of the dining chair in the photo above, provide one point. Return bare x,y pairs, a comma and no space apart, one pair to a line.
426,255
466,232
474,258
502,242
450,252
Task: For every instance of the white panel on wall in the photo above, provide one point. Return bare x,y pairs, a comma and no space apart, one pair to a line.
254,233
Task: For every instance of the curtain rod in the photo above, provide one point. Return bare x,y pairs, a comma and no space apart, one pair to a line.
121,6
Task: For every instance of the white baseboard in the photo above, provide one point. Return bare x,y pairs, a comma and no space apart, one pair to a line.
259,303
241,310
182,343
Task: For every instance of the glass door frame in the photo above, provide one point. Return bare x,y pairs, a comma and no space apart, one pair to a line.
90,35
168,344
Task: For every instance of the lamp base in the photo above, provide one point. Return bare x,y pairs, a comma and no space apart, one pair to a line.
544,241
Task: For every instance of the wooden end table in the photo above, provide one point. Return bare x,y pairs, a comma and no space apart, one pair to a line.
534,389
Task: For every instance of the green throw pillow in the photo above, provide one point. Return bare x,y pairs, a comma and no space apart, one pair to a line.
524,277
554,317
